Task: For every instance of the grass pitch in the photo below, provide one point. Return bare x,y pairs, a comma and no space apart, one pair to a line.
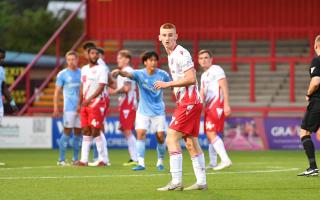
32,174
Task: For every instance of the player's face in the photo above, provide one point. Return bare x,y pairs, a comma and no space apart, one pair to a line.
93,56
168,37
204,60
122,61
317,48
151,63
72,61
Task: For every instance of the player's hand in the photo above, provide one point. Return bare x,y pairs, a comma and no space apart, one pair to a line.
115,72
13,106
112,91
160,84
307,98
227,110
56,113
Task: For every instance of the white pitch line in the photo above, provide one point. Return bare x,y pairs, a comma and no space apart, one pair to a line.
142,175
25,168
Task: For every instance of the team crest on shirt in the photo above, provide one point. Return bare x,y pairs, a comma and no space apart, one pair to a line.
181,52
69,79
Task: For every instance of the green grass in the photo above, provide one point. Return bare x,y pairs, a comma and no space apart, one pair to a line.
253,176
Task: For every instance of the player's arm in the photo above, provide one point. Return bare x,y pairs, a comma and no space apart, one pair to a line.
94,95
125,89
57,90
8,97
225,91
313,86
127,85
80,97
189,79
112,83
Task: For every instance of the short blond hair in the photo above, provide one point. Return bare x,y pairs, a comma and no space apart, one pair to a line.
206,51
72,53
168,25
125,53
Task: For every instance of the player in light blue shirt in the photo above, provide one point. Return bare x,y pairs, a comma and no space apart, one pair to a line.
4,90
69,80
151,109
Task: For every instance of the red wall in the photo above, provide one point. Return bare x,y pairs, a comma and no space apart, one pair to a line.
210,18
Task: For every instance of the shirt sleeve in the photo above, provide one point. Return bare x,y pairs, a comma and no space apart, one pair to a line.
166,77
59,81
135,75
220,73
185,61
128,80
103,76
315,67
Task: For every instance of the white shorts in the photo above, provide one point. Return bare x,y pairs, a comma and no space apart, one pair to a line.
152,124
71,120
1,113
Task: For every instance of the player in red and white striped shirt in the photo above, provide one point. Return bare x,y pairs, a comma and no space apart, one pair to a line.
94,78
186,118
214,91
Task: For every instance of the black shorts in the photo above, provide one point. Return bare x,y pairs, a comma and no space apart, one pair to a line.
311,120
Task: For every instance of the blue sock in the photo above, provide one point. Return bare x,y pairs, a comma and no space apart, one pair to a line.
161,150
141,148
63,143
76,147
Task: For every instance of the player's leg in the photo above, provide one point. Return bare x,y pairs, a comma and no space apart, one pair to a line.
63,143
213,156
142,124
126,126
198,162
77,140
97,120
175,157
141,148
217,143
106,158
87,137
310,123
158,125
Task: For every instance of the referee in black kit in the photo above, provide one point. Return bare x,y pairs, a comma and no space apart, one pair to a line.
311,121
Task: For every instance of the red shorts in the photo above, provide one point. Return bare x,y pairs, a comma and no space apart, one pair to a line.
127,116
214,118
186,119
93,116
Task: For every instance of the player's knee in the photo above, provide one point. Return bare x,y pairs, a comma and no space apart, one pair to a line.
304,132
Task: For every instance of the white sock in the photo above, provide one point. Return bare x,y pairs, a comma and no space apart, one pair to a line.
141,161
176,167
100,147
218,145
105,148
160,161
132,147
212,155
199,168
85,149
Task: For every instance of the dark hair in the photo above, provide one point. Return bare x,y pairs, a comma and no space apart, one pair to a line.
2,51
87,45
100,50
93,48
149,54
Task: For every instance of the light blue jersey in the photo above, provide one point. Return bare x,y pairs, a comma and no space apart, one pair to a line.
151,100
2,80
70,81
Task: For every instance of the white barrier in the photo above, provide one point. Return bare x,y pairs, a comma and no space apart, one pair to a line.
26,132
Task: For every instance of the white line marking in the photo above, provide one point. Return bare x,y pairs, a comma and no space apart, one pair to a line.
142,175
25,168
